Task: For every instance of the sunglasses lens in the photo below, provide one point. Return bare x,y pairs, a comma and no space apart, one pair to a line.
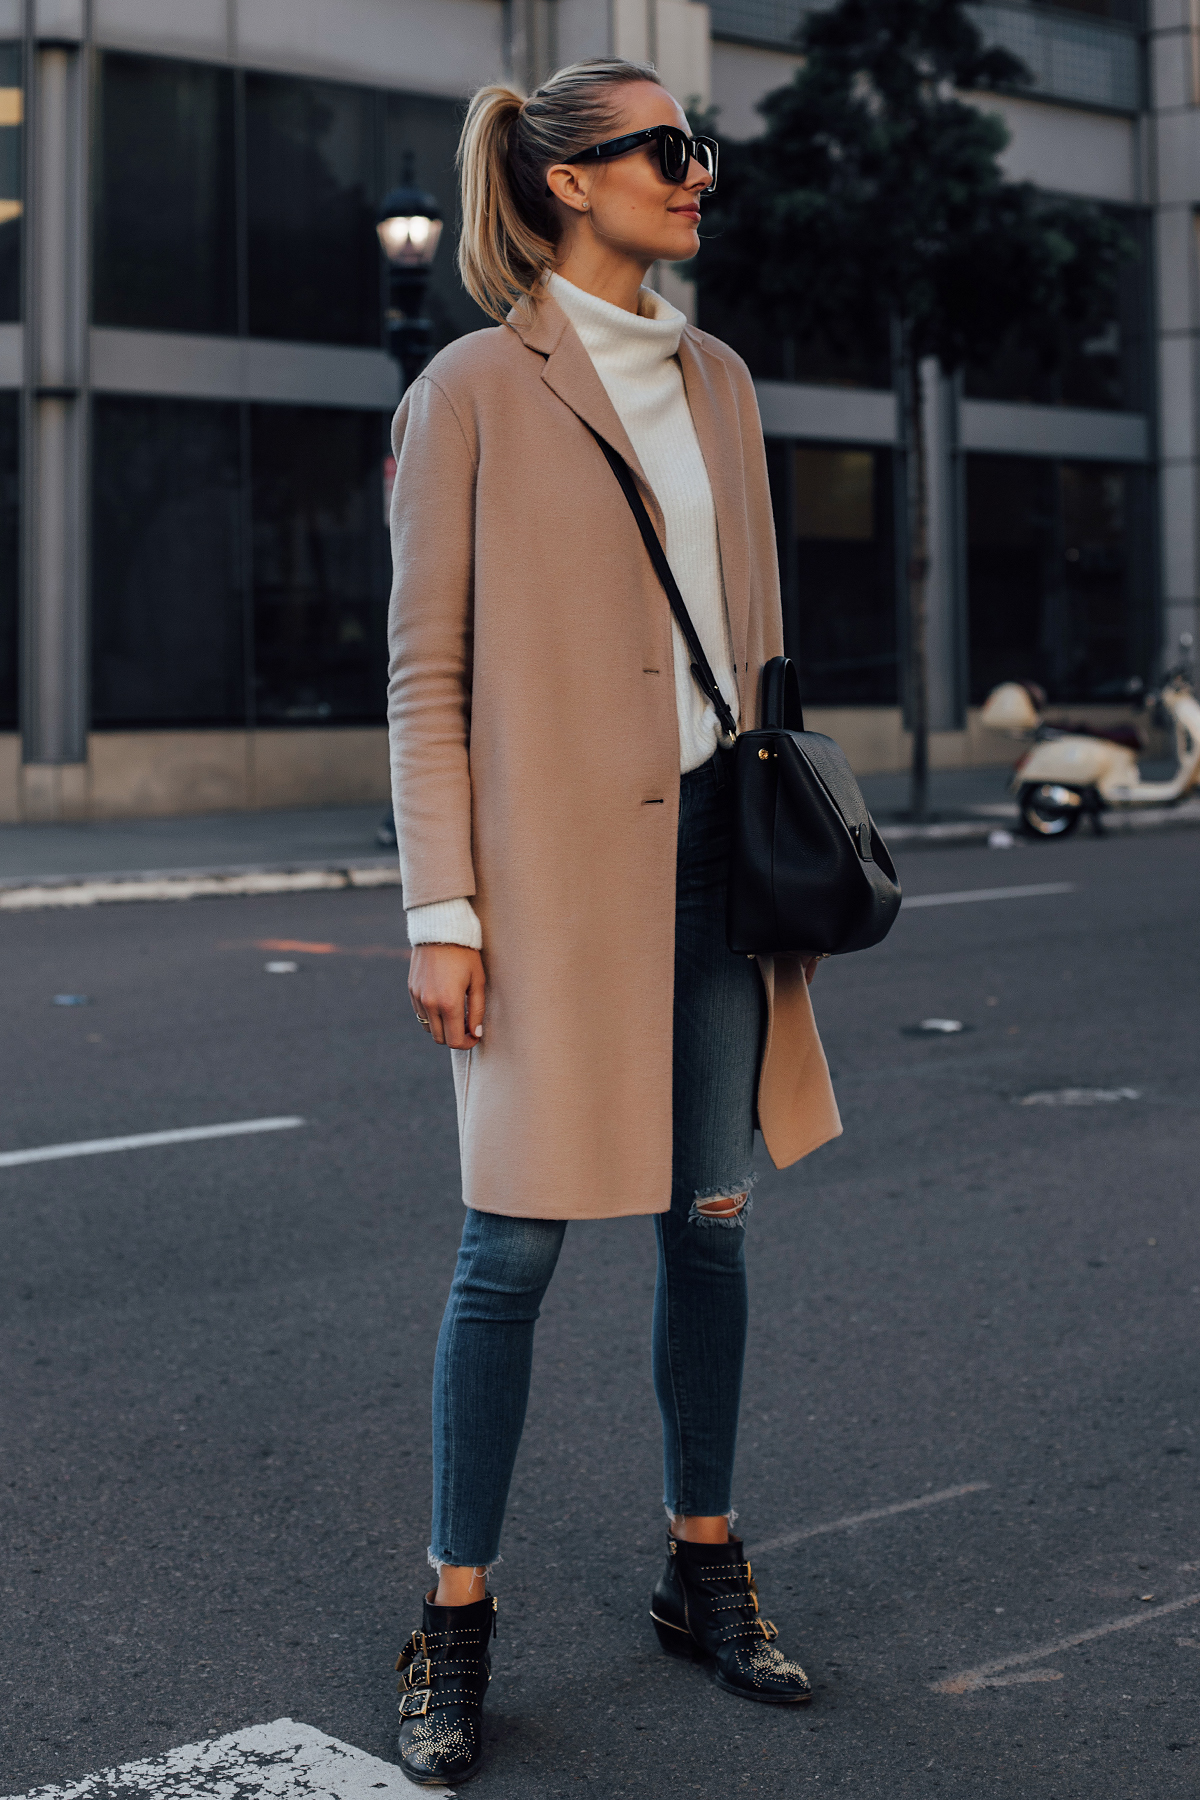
706,156
675,155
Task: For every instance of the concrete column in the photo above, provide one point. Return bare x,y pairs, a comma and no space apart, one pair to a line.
531,28
54,637
673,34
1175,189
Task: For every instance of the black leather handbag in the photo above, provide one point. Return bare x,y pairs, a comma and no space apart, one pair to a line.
809,871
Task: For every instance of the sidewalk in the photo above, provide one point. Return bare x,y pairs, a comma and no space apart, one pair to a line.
224,843
955,795
336,847
190,858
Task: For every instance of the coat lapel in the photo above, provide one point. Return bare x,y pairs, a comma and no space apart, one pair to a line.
570,373
714,411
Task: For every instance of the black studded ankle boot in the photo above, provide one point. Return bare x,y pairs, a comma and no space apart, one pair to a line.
706,1607
445,1668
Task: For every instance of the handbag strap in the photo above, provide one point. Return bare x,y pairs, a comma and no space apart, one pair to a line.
702,673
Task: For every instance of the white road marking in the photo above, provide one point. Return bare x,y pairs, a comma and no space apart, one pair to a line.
280,1761
1080,1097
143,1140
969,1679
1033,892
1021,1677
869,1518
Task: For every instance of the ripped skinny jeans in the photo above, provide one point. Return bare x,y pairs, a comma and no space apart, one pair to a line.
485,1346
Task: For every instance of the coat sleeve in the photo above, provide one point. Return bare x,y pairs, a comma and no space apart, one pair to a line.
762,515
430,646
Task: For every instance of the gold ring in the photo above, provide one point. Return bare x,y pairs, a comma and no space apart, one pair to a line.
423,1022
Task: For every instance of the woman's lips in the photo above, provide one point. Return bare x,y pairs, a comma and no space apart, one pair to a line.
685,212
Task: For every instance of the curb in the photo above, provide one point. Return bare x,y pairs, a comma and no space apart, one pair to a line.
24,894
21,893
957,832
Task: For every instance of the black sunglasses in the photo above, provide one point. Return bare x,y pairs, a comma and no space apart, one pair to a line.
676,152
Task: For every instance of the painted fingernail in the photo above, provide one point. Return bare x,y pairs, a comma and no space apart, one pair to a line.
479,1031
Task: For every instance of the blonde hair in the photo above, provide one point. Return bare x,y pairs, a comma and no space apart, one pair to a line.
510,227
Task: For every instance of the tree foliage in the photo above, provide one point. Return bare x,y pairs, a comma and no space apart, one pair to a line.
876,197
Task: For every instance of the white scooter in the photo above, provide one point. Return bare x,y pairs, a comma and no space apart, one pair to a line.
1068,775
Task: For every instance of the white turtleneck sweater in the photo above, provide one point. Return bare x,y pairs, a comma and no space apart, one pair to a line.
636,358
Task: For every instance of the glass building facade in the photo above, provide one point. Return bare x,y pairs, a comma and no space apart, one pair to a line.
1059,556
165,200
197,405
240,563
230,201
1056,559
834,519
9,564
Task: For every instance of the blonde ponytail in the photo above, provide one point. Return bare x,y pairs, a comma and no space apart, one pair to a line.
509,225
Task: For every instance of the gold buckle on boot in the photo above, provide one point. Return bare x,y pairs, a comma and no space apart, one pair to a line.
415,1706
415,1643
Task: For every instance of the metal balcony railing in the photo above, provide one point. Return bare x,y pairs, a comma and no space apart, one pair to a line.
768,22
1080,60
1069,58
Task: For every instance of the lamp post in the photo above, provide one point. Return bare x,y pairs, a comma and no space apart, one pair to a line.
409,228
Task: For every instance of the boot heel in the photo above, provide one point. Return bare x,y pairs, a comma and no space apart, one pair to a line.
675,1640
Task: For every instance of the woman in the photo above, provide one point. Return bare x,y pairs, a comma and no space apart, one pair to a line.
562,797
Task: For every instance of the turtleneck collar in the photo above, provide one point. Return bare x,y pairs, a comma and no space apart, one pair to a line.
641,340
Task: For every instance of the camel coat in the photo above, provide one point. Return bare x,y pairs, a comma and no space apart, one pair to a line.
535,757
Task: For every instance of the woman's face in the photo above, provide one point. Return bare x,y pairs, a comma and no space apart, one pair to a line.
627,201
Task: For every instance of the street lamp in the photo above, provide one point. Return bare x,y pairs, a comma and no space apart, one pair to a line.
409,229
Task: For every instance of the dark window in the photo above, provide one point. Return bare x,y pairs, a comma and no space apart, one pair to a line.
167,610
1126,12
419,141
9,588
1104,363
772,355
314,265
165,227
11,117
320,565
833,510
1058,577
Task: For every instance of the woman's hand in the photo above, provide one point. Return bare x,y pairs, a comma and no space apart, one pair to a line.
445,985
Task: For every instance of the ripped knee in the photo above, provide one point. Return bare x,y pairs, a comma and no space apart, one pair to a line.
724,1209
722,1206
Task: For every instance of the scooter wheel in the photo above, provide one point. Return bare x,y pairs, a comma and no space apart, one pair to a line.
1050,811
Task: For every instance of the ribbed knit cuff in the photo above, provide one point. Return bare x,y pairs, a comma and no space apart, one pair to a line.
445,922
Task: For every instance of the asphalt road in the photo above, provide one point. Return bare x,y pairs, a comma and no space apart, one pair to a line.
216,1361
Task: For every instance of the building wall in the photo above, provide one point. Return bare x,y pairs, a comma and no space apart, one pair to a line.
430,46
1174,155
93,587
203,562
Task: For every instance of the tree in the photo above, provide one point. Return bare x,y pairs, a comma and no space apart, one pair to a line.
875,203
